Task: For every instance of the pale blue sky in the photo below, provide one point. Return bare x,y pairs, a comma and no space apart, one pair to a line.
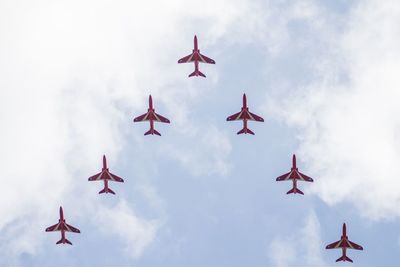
76,73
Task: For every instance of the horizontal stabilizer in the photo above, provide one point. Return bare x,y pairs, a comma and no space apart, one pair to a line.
107,190
152,132
245,131
295,191
64,241
344,258
197,73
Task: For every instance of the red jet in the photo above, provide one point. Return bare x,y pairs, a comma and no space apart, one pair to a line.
245,115
151,116
105,175
294,175
196,57
63,227
344,243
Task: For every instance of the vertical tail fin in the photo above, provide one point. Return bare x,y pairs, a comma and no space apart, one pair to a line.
295,191
245,131
197,73
344,258
107,190
64,241
152,132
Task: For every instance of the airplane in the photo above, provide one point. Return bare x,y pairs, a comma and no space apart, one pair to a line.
196,57
106,176
151,116
63,227
245,115
294,175
344,243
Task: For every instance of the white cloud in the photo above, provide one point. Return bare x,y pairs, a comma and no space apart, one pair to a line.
73,75
311,241
347,118
121,220
282,252
301,248
206,156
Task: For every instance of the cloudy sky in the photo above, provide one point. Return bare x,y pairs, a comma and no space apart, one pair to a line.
323,74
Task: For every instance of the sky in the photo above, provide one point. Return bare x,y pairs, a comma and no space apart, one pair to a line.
323,75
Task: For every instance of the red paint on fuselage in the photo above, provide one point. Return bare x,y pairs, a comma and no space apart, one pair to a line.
196,49
294,168
61,214
62,226
105,176
105,189
294,162
151,116
344,231
151,113
344,240
294,175
245,115
105,163
150,103
344,243
196,57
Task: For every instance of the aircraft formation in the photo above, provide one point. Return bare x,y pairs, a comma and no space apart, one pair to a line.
244,115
